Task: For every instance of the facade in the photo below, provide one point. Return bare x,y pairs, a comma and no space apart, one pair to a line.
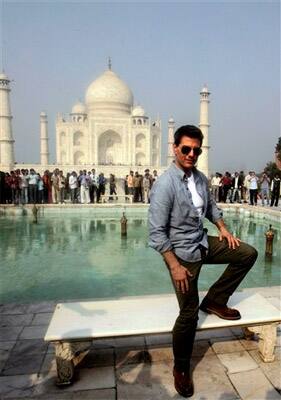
108,129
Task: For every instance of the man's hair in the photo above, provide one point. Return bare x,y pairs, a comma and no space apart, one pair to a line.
190,131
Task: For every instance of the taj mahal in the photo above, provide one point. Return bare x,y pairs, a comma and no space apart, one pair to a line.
108,131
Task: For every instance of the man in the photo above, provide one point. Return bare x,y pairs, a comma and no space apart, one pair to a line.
264,182
84,180
32,185
215,185
236,188
275,190
179,201
253,188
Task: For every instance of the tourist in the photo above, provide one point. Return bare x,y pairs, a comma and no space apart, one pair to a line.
47,187
101,181
40,189
61,187
137,187
264,186
226,183
112,185
243,189
146,186
55,186
73,185
253,188
2,188
236,188
84,180
126,190
24,186
93,186
130,183
275,190
247,186
32,186
215,186
179,201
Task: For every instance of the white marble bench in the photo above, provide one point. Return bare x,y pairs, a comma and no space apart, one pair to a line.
74,325
107,197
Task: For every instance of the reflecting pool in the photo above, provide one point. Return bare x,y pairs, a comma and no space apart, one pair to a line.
83,256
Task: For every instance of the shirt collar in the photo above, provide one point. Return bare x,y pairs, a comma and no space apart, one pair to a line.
181,174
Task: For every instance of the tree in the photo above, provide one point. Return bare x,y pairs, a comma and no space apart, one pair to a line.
278,149
271,169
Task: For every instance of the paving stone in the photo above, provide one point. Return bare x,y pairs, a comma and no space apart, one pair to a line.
49,364
88,379
8,345
250,344
41,307
4,355
202,348
237,331
33,332
237,362
13,308
157,340
17,365
30,346
275,301
42,319
15,320
253,385
127,356
99,394
18,386
214,333
226,346
210,380
146,381
11,333
273,373
164,354
98,358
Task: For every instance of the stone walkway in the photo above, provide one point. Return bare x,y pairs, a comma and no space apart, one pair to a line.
225,366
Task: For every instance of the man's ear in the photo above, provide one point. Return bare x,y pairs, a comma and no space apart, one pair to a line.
175,148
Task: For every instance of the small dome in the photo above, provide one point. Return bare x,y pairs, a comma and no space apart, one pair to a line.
79,108
138,111
43,114
205,90
109,93
171,120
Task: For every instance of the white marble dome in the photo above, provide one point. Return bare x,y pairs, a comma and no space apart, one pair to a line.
79,108
4,76
109,93
138,111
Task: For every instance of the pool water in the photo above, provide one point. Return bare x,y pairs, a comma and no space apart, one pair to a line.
83,256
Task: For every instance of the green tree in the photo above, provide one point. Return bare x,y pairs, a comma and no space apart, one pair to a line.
278,149
271,169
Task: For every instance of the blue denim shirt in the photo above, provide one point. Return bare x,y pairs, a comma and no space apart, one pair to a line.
174,223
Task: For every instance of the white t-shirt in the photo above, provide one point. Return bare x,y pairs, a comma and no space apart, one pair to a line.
196,198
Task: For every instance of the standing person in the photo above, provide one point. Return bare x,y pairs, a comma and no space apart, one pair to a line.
84,188
130,183
112,185
275,190
243,191
40,189
236,188
253,188
32,186
47,187
247,187
61,187
137,187
55,186
101,186
179,201
264,184
24,186
2,188
73,185
146,186
93,187
226,182
215,186
126,190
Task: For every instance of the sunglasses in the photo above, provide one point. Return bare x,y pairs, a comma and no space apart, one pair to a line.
187,149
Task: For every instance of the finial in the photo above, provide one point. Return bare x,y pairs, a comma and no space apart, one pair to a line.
109,63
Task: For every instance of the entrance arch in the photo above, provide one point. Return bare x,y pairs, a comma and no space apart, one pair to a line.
110,148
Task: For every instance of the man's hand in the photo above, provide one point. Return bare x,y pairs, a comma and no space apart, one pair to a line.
233,242
180,276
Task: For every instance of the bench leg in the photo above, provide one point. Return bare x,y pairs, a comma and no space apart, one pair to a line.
68,355
267,339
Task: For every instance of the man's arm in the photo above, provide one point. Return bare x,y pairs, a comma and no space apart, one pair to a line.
233,242
178,272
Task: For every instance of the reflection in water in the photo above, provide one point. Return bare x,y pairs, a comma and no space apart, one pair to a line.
67,256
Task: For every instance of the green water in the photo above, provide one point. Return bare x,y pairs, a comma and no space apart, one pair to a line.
79,257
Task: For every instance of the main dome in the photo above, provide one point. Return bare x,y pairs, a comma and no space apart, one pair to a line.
109,94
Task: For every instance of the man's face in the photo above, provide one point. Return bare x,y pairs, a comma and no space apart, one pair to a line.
188,160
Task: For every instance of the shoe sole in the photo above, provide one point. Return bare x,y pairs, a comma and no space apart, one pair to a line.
184,394
210,311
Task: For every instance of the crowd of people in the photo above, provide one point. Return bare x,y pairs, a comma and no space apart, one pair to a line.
238,187
28,186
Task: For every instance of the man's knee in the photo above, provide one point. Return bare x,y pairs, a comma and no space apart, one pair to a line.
249,252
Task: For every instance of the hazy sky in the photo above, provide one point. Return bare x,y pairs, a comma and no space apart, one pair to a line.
165,52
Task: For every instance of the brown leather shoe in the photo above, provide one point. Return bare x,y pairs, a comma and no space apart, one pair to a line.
183,383
223,312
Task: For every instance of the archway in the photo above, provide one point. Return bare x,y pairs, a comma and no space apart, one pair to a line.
79,158
140,141
110,148
140,159
78,138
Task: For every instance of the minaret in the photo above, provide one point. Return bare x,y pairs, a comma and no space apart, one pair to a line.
171,131
7,157
203,162
44,150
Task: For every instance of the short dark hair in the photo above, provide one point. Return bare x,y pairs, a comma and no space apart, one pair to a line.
188,130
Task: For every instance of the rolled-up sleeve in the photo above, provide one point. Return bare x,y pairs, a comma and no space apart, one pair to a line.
161,203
